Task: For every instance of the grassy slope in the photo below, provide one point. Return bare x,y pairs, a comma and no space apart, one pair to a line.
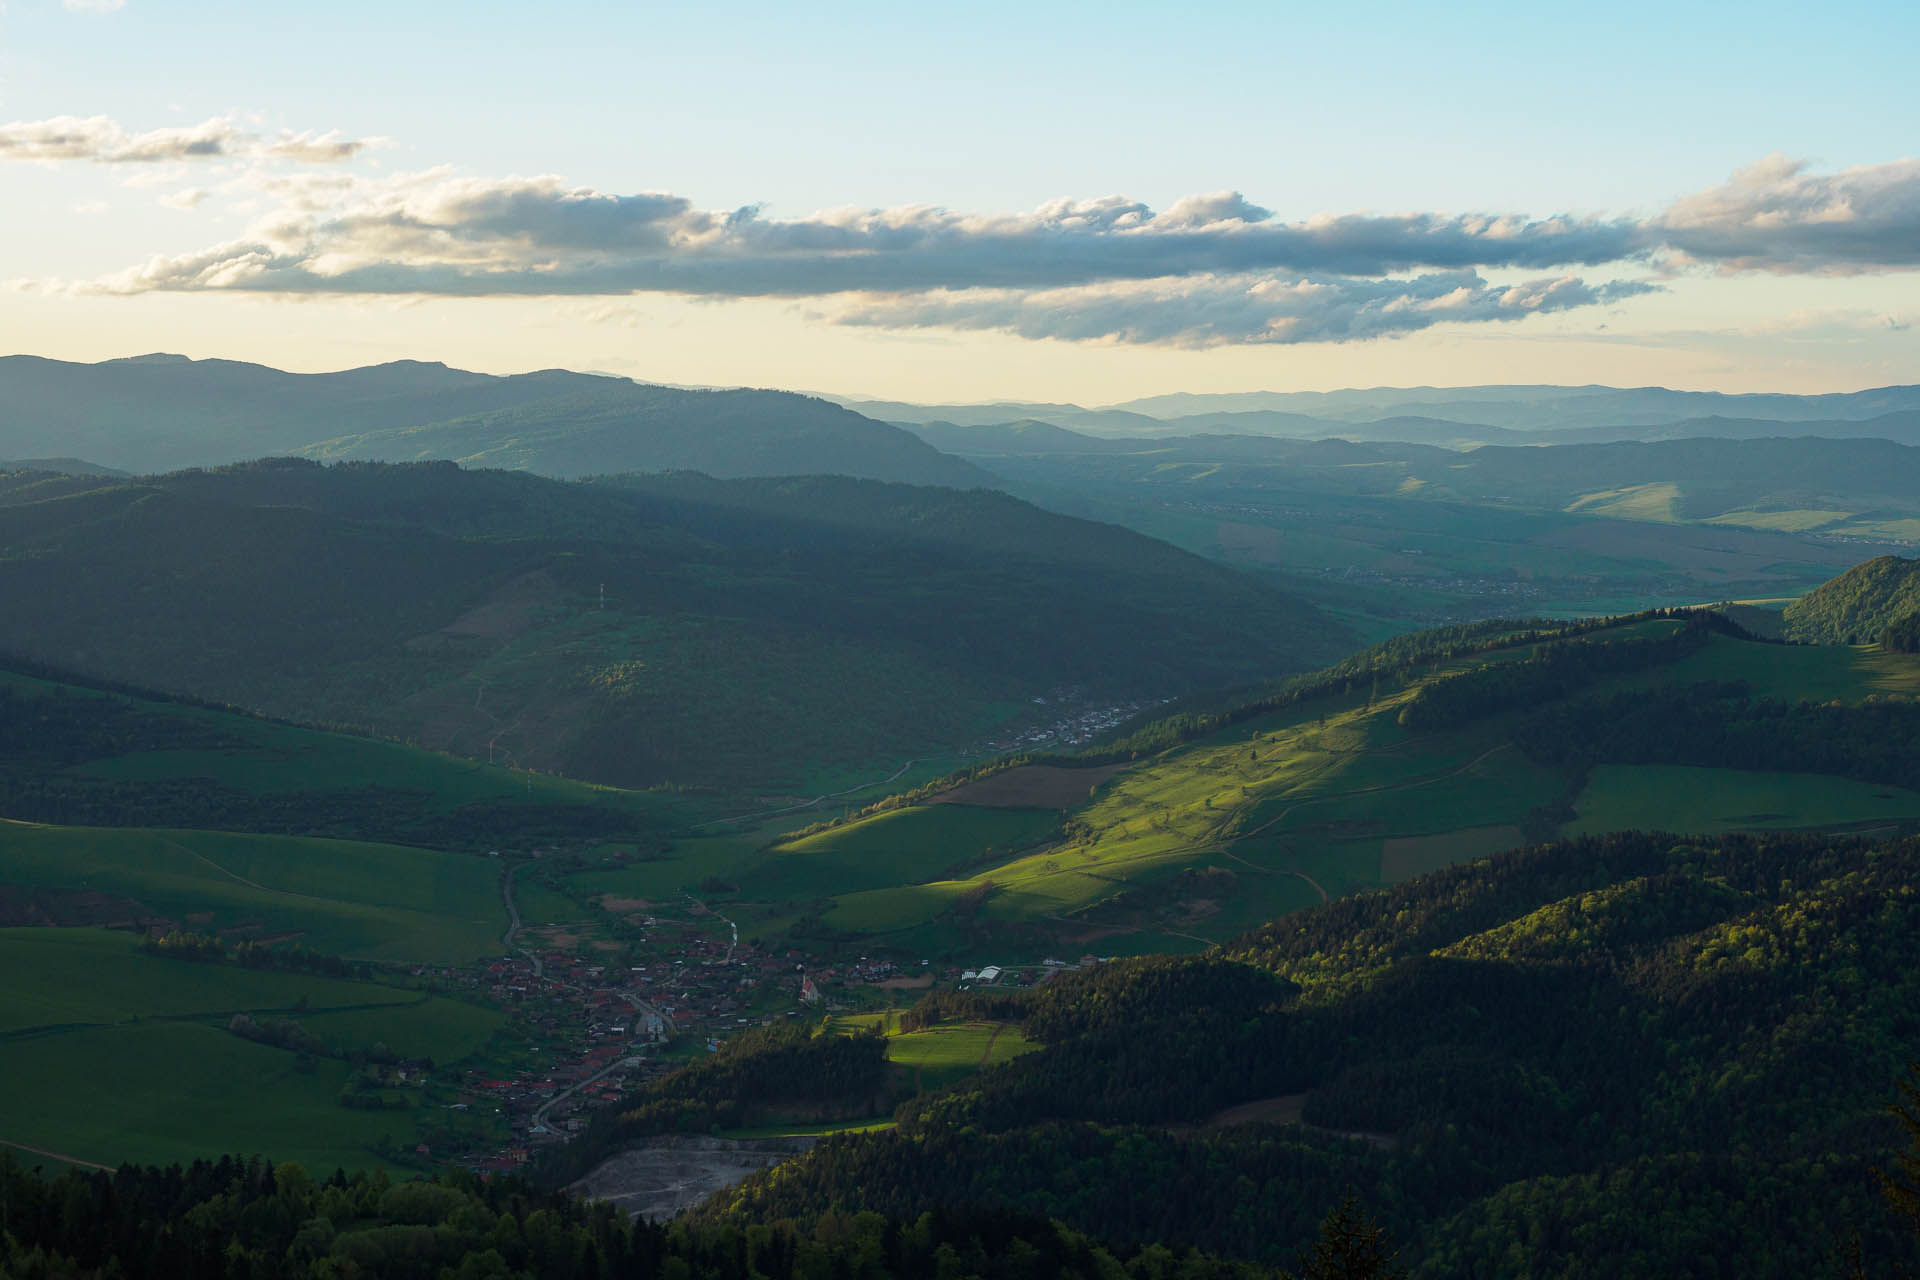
270,757
363,901
1223,833
115,1055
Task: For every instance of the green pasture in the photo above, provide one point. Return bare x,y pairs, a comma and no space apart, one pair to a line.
161,1092
901,846
1796,673
438,1028
112,1054
363,901
943,1055
82,976
1713,801
1336,796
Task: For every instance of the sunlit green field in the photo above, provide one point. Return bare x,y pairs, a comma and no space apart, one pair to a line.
1224,833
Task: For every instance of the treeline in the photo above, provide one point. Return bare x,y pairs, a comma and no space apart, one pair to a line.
248,1220
1717,725
1553,671
787,1064
248,954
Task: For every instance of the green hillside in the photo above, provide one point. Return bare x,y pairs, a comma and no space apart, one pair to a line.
1430,751
118,1055
679,629
1858,606
76,754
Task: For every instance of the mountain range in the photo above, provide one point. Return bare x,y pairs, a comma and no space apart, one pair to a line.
160,413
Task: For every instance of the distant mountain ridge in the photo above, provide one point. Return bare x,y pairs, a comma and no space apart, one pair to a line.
1458,416
159,413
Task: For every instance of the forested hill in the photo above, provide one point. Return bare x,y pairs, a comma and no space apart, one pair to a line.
1627,1055
752,632
158,413
1860,605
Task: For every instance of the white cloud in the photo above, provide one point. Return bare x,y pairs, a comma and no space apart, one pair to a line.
190,198
1775,216
101,140
93,6
1208,270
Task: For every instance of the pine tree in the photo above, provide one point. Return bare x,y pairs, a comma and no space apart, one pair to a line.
1352,1246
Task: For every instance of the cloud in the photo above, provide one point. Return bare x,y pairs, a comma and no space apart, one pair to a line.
1775,216
433,233
93,6
102,141
1208,269
1213,311
184,200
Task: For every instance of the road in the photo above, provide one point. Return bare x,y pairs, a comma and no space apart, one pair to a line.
546,1108
513,919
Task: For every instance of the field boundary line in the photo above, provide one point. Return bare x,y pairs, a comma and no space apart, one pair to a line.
56,1155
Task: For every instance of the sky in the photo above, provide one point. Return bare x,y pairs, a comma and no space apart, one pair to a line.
1055,202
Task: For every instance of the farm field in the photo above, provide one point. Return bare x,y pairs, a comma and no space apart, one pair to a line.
116,1055
1716,801
167,1092
362,901
98,976
943,1053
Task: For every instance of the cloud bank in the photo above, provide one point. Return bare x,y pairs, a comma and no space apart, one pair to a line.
1207,270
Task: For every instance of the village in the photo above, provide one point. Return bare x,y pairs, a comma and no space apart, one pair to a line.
590,1026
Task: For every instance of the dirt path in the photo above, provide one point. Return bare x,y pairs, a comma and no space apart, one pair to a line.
56,1155
1278,871
197,856
986,1054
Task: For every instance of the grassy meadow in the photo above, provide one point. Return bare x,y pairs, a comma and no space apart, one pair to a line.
116,1055
362,901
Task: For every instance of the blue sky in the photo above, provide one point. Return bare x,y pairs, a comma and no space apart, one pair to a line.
988,111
